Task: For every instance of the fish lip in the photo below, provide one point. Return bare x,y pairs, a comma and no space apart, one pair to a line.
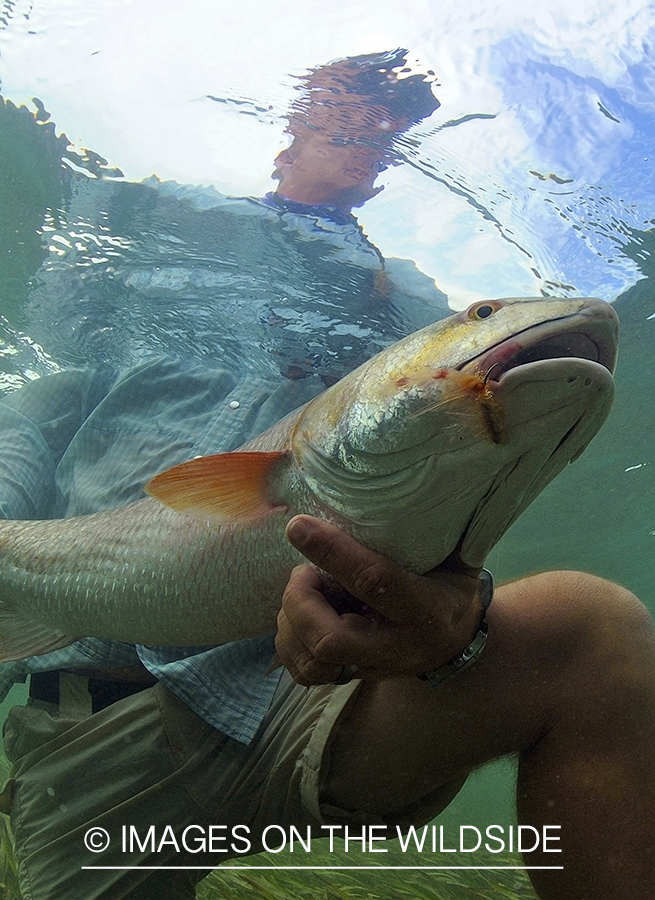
591,335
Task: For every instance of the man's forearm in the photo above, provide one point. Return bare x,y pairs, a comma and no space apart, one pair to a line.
27,471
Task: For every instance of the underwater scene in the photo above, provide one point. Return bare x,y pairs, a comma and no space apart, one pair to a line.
210,215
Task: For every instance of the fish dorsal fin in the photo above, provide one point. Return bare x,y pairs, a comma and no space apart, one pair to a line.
227,487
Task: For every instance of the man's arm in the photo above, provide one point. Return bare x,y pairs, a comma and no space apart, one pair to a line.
27,471
37,424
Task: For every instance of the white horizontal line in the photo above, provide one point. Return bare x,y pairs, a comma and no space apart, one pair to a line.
317,868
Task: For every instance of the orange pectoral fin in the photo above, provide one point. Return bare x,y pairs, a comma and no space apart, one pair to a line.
227,487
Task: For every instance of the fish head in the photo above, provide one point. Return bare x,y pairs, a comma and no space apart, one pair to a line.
442,440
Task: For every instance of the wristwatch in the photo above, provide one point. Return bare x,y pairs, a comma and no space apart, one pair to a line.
471,653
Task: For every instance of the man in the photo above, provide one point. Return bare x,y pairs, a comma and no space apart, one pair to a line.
567,679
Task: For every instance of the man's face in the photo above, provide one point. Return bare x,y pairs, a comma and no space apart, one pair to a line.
332,173
341,142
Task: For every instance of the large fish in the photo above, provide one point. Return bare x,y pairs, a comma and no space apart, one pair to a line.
441,440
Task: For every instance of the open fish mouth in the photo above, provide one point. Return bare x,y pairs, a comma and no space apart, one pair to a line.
589,334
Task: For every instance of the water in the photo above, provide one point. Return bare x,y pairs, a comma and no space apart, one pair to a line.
535,176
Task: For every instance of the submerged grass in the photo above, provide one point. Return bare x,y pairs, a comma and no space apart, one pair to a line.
233,882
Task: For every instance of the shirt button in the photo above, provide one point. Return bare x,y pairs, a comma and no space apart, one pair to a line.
234,404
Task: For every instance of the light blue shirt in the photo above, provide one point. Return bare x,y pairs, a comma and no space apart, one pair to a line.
87,439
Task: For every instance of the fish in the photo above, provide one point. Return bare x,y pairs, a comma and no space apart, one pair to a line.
437,443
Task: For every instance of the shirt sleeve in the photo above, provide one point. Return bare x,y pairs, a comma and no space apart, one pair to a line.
37,423
407,281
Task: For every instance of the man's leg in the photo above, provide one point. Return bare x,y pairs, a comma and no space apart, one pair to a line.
144,770
567,681
78,777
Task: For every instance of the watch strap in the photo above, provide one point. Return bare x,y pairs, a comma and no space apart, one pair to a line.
473,651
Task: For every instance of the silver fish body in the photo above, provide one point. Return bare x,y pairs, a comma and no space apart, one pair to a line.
440,441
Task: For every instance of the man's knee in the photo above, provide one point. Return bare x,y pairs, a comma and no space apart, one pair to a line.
576,634
602,641
602,611
578,604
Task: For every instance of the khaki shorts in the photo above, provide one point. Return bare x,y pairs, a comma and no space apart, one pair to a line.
148,760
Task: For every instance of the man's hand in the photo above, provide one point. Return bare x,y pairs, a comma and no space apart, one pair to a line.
413,624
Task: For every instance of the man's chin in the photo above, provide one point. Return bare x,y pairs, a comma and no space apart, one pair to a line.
356,197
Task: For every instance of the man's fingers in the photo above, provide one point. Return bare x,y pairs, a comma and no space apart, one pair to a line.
306,608
314,642
307,641
303,667
368,576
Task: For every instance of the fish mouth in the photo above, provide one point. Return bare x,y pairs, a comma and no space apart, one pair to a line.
590,333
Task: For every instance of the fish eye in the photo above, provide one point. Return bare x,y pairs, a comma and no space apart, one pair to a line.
482,310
